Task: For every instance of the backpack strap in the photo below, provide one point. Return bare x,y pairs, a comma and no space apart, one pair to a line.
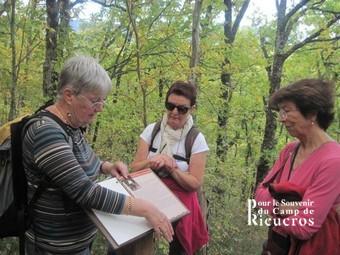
155,130
189,141
50,115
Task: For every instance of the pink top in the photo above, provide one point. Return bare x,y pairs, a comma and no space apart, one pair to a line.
319,174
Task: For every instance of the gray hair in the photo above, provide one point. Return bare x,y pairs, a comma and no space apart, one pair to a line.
84,74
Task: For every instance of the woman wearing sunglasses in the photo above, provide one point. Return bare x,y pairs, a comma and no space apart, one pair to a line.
167,159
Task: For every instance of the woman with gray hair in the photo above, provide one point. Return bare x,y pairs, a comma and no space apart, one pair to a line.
54,148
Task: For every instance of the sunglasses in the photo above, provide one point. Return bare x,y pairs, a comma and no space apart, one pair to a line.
182,109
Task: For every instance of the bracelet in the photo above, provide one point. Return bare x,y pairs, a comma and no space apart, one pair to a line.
129,206
101,167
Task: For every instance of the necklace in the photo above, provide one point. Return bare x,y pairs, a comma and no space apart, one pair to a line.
61,115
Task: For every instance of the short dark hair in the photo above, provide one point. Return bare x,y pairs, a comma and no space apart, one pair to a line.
311,96
183,88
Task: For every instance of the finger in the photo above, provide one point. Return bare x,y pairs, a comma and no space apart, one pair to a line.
167,229
165,233
124,173
158,232
158,163
119,177
167,236
172,232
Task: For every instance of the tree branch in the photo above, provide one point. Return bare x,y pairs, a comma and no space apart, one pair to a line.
239,17
28,53
263,47
104,4
277,4
296,8
77,2
265,54
324,11
157,17
127,39
289,22
326,39
312,37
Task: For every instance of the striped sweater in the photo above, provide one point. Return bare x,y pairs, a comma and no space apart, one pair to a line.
59,223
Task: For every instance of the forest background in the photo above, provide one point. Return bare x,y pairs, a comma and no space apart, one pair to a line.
146,45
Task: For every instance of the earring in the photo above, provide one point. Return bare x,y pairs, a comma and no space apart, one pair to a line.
312,123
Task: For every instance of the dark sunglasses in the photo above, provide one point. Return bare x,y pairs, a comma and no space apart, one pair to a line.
182,109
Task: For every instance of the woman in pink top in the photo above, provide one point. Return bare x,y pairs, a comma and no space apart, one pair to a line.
307,169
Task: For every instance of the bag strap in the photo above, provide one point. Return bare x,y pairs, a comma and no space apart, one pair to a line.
50,115
155,130
296,148
189,141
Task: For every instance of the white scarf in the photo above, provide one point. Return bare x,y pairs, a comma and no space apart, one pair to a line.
169,136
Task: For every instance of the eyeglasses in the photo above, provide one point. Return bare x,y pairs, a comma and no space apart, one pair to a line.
94,104
283,114
182,109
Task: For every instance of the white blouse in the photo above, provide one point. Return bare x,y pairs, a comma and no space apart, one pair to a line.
200,145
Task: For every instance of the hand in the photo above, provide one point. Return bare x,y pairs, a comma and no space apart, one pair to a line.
285,209
160,223
162,161
169,163
156,162
119,169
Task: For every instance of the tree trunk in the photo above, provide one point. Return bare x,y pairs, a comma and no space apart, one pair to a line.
274,76
230,30
195,42
12,111
64,28
50,76
269,141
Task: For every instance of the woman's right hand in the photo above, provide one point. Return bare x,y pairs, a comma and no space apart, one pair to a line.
159,222
160,161
156,162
